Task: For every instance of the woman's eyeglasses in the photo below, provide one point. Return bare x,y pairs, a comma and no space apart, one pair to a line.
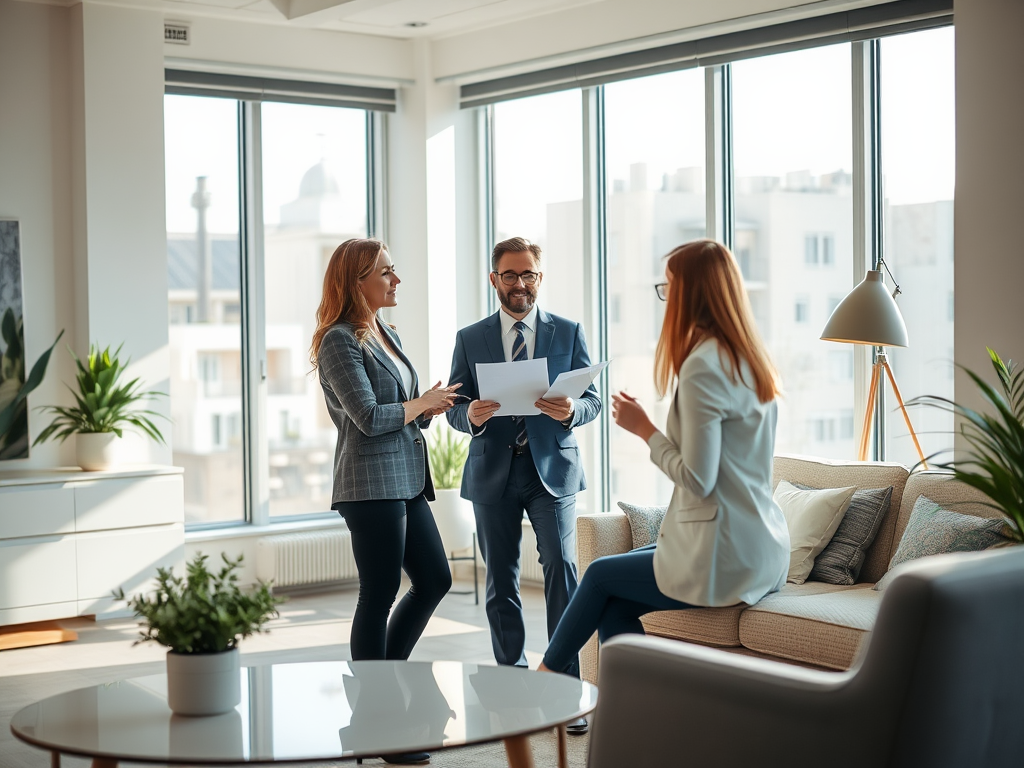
662,290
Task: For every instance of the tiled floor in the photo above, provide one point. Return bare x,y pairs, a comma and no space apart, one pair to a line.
312,627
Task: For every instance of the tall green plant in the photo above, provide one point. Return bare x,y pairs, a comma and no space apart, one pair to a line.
204,612
995,462
102,403
447,451
15,387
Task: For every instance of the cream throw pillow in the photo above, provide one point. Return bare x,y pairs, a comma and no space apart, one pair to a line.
813,517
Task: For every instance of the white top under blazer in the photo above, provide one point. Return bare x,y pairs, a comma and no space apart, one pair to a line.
724,540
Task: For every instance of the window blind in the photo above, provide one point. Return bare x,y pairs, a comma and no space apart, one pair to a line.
188,83
848,26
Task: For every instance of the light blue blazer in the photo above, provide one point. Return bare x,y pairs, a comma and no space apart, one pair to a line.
724,540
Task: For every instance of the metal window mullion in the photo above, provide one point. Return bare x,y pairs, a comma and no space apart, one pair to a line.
719,166
595,273
255,459
376,170
867,211
487,198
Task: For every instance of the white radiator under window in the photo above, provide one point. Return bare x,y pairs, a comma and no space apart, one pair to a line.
308,557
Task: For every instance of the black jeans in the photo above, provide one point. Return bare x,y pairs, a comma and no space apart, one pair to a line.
389,536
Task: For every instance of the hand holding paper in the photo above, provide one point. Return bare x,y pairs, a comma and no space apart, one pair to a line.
574,383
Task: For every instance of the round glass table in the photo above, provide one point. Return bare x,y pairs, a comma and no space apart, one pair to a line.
313,711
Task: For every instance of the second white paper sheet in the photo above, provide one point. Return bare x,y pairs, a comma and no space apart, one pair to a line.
517,386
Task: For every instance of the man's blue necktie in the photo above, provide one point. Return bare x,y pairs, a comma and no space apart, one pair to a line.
519,353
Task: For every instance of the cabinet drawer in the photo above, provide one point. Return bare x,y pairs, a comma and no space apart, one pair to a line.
39,572
127,559
127,503
36,510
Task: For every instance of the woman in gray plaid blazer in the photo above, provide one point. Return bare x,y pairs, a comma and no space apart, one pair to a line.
381,477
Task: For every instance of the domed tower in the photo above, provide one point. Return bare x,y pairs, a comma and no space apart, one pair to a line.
320,204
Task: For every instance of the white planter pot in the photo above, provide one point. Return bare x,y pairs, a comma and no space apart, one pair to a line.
454,518
95,450
203,683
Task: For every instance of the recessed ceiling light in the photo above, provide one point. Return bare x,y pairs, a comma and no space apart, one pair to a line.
416,24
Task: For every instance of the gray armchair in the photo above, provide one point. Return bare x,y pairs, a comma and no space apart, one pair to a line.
939,684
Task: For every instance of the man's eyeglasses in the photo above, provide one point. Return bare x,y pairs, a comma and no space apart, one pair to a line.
662,290
511,278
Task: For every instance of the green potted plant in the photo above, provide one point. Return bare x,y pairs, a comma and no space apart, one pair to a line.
103,407
994,463
447,451
15,388
200,619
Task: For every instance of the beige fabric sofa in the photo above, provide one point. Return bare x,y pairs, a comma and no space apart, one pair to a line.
812,623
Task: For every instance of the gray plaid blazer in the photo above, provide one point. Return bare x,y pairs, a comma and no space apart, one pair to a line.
378,455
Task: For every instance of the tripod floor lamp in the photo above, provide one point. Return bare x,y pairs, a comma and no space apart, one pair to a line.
869,315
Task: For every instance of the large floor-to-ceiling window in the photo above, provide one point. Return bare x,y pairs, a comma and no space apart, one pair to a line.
259,195
538,190
814,163
793,152
918,169
205,304
314,197
654,133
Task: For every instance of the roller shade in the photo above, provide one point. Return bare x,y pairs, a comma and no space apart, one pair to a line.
183,82
848,26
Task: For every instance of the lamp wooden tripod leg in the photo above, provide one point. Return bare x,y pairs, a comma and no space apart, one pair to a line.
882,363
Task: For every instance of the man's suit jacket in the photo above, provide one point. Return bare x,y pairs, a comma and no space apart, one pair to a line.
724,540
378,455
553,446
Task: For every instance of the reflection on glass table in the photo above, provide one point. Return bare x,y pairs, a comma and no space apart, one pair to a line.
312,711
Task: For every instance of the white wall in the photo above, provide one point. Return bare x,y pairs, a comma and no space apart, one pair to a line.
35,188
989,262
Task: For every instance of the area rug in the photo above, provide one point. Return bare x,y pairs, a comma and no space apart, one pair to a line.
544,745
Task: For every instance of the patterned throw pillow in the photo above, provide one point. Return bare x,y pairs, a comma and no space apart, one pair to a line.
812,518
841,559
644,522
933,530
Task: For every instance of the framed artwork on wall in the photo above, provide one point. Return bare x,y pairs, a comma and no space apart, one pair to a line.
14,441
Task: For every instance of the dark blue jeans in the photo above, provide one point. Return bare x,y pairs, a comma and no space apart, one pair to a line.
389,536
615,592
500,532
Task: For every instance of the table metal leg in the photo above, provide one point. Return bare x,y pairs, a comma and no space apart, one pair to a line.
517,748
563,747
55,760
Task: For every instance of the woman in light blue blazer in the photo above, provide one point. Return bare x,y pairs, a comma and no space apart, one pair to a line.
724,541
381,476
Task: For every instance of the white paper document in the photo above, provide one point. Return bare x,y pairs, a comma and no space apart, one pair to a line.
574,383
517,385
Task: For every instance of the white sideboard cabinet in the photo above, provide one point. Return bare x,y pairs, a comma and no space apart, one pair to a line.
68,538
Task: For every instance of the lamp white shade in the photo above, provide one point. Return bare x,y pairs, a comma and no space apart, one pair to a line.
868,315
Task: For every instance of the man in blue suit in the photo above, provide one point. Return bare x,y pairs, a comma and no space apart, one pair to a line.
529,463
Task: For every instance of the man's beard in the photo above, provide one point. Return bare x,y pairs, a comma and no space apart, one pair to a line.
518,304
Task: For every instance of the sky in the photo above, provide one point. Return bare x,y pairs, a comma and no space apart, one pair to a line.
791,113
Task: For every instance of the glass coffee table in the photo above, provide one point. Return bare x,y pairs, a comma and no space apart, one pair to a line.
312,711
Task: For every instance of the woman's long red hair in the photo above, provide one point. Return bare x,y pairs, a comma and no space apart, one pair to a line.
342,301
707,299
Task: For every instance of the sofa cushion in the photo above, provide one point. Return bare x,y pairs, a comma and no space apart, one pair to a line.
644,522
933,530
813,517
823,626
841,560
831,473
708,626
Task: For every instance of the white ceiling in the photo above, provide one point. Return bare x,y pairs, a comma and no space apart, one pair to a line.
389,18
